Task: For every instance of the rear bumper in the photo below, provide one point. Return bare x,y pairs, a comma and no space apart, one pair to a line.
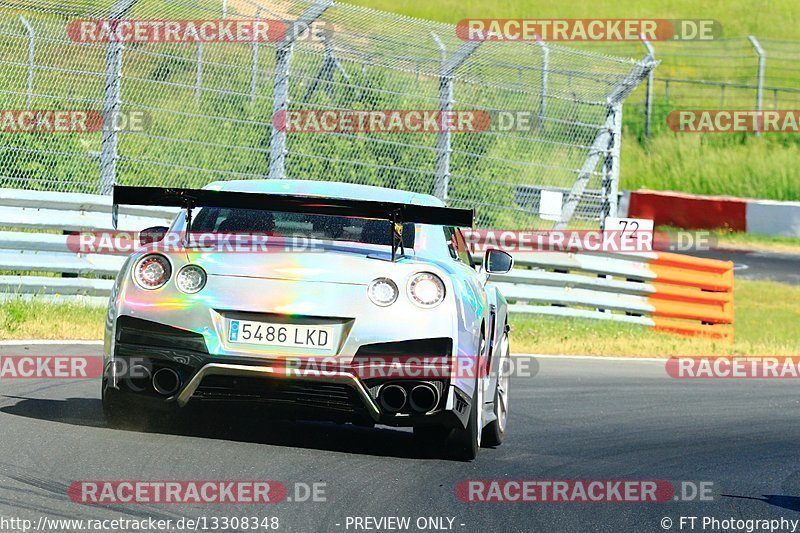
334,395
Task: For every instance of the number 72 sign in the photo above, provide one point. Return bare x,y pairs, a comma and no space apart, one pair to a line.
632,234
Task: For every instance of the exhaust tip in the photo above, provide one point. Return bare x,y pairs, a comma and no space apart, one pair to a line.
392,398
424,397
166,381
139,377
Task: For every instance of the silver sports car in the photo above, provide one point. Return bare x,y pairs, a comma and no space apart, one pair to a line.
315,300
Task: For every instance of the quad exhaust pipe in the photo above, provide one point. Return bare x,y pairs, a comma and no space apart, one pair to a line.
166,381
421,398
139,377
392,398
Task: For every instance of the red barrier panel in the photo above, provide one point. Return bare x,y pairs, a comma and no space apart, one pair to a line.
689,211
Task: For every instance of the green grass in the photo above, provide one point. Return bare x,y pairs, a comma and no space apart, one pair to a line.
766,321
776,18
744,166
31,319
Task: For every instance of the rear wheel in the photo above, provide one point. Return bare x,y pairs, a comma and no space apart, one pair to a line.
116,409
495,431
123,411
467,441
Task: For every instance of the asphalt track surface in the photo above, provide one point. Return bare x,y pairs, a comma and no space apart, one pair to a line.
784,268
575,419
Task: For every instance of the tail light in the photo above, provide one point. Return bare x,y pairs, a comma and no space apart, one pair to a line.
426,289
152,271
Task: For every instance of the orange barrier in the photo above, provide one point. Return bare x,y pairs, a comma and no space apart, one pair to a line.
693,296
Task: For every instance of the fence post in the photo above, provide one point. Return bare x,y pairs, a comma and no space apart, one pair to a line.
224,9
543,89
280,92
762,62
31,53
648,102
198,81
441,184
254,64
610,185
111,103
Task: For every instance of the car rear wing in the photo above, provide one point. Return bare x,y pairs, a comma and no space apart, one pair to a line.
395,213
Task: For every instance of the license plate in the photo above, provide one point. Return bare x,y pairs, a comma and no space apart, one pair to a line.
290,335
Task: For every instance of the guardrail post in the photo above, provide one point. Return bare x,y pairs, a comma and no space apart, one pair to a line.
544,81
762,63
111,103
31,57
648,102
280,92
444,149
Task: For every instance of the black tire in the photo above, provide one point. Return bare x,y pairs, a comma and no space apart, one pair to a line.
494,433
116,409
122,411
465,443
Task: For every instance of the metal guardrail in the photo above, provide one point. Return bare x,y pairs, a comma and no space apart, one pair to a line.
670,292
42,248
667,291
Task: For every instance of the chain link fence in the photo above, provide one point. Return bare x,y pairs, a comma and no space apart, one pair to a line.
550,157
732,73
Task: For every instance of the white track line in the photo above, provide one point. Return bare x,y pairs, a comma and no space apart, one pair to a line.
594,357
41,342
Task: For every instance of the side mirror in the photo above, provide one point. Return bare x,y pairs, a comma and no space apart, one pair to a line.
153,234
497,262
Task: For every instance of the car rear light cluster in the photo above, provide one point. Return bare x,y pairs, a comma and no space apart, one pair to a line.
153,271
425,289
382,292
191,279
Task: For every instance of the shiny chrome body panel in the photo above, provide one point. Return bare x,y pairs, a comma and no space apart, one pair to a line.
327,285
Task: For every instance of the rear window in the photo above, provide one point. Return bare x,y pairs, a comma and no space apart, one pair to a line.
279,224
